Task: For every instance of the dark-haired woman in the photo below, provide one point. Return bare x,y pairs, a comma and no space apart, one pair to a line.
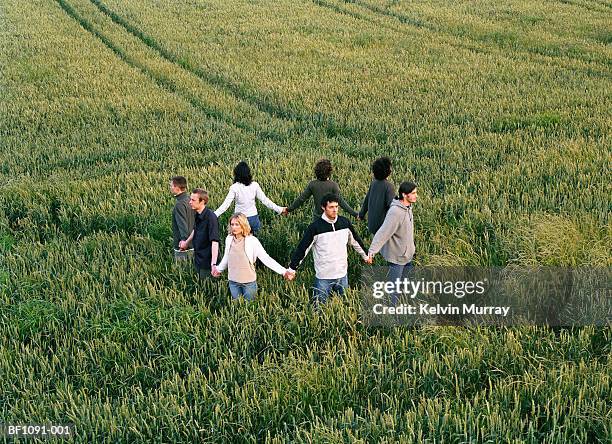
380,195
244,191
318,188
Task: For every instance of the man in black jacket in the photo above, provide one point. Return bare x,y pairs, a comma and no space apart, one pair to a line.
205,235
182,217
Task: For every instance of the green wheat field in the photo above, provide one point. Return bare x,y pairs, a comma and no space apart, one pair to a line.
500,111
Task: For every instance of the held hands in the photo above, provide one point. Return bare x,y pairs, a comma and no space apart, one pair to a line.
214,272
182,245
289,275
285,211
369,260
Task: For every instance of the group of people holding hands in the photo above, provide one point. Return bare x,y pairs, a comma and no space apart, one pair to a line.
389,217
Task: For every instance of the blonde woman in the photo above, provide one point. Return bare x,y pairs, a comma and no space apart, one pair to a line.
242,249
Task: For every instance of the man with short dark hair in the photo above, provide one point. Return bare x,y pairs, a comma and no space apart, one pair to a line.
205,235
182,217
395,237
328,237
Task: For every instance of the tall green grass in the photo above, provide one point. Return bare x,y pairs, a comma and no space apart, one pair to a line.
499,112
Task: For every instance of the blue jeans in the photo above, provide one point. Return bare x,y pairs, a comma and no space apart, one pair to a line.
248,290
255,224
396,272
323,287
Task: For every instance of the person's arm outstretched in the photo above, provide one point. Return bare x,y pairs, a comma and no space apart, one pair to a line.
346,207
384,233
357,244
343,203
364,205
266,259
302,249
299,201
226,203
266,201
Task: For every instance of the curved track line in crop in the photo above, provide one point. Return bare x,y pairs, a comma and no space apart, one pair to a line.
459,45
404,19
163,82
495,50
587,6
340,10
328,124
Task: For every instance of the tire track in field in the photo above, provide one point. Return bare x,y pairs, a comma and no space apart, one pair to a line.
163,82
587,6
339,10
409,21
404,19
328,124
419,25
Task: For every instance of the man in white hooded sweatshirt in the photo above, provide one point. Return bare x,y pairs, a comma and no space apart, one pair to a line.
328,237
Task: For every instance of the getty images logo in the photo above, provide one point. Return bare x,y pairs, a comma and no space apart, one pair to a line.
412,288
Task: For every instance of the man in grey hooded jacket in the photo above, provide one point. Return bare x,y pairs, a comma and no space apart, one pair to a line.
395,238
